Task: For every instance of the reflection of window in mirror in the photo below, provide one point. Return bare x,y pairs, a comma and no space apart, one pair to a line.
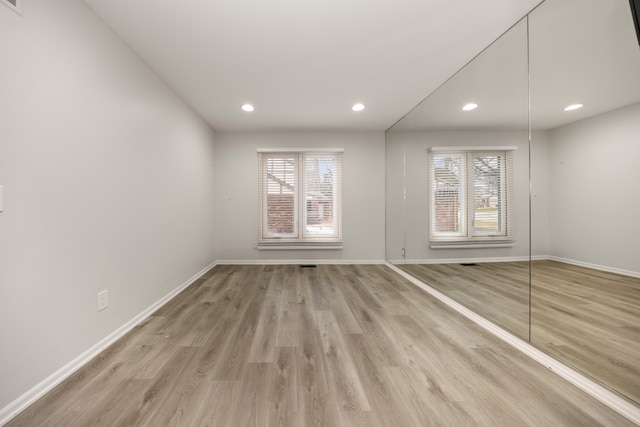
470,193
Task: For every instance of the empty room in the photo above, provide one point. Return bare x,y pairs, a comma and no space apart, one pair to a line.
319,213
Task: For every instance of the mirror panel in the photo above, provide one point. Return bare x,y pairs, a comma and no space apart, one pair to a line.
586,291
488,275
576,202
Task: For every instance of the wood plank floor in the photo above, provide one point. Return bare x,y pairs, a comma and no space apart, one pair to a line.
591,320
586,318
498,291
326,346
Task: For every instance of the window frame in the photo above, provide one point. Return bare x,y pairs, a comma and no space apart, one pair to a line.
467,234
301,238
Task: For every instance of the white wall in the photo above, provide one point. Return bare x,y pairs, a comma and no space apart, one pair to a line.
363,194
594,201
108,183
540,194
395,212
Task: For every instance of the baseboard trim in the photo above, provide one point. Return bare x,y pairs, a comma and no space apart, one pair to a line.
589,386
295,262
28,398
472,260
596,266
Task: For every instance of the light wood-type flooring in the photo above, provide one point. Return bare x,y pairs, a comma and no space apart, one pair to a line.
327,346
586,318
498,291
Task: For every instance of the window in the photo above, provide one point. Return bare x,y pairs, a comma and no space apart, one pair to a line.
470,195
300,200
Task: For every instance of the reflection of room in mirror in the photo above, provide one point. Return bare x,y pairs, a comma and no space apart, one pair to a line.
585,306
576,206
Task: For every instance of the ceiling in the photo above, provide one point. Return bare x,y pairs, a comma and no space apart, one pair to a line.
304,63
580,51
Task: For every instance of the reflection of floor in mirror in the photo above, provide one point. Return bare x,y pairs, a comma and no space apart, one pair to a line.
498,291
591,320
333,345
587,318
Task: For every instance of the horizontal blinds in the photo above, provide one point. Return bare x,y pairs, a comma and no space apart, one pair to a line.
321,196
470,193
279,194
492,184
448,176
300,195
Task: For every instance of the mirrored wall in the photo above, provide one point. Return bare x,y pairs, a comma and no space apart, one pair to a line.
524,212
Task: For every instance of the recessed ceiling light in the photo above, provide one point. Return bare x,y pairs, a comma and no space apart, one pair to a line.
248,108
573,107
470,106
358,107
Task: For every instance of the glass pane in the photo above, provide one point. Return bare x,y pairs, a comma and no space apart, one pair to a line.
585,287
281,197
489,277
320,218
448,194
487,194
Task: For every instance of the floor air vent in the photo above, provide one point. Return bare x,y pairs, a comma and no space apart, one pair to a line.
470,264
308,266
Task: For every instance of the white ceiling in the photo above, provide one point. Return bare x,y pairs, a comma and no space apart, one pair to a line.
580,51
304,63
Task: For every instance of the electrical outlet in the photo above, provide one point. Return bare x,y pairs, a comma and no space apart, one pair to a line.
103,300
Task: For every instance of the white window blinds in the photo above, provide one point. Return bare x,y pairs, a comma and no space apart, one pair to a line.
280,197
448,194
321,195
300,196
470,193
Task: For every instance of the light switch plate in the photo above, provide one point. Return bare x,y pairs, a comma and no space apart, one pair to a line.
103,300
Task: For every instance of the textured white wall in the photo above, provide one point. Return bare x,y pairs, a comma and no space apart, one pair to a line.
108,183
594,201
363,194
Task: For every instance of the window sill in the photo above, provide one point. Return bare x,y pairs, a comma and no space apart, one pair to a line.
299,245
472,244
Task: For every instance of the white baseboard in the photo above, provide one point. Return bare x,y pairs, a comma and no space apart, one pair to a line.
465,260
468,260
596,266
539,257
296,262
20,404
521,258
589,386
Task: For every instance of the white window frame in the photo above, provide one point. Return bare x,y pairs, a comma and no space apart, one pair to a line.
467,235
301,237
